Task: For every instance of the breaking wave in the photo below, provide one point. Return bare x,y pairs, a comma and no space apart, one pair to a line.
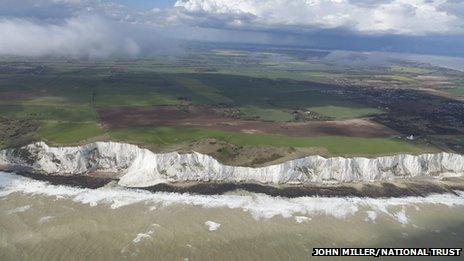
258,205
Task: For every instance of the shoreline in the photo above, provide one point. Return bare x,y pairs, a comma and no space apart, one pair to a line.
137,167
398,189
106,164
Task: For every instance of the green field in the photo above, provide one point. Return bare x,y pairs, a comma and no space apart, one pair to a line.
335,145
404,79
408,69
69,133
457,91
344,112
273,73
49,112
266,114
208,92
147,99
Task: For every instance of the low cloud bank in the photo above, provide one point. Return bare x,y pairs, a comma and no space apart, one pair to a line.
81,36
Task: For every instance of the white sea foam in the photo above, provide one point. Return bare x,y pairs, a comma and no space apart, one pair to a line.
212,226
371,216
19,209
148,235
401,216
140,237
301,219
258,205
45,219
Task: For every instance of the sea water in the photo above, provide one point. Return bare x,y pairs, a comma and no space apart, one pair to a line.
40,221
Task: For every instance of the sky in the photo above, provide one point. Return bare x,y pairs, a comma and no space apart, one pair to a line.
147,4
100,28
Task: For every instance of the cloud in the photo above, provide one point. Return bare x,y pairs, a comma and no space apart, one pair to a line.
84,28
403,17
454,7
89,36
100,28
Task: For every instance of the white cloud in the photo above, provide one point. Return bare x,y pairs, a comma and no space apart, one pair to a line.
99,28
407,17
90,36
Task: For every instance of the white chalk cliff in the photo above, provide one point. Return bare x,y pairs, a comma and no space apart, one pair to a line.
137,167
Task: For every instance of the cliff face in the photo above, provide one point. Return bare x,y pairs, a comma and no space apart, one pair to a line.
136,167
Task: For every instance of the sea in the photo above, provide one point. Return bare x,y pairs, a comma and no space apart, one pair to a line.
41,221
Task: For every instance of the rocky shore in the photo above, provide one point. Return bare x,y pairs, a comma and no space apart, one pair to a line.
417,188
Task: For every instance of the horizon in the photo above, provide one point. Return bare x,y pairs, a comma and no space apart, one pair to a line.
104,28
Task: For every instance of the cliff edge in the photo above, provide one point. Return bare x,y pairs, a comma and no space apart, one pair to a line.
137,167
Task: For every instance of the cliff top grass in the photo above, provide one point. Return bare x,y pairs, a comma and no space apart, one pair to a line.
334,145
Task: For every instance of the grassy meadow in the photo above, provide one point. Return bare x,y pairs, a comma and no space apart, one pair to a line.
345,112
335,145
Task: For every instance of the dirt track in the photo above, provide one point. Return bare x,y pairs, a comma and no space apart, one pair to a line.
209,117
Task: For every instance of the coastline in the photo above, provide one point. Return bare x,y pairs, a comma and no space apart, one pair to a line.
396,189
105,164
137,167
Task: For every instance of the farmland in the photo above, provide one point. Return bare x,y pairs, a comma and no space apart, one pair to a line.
250,99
